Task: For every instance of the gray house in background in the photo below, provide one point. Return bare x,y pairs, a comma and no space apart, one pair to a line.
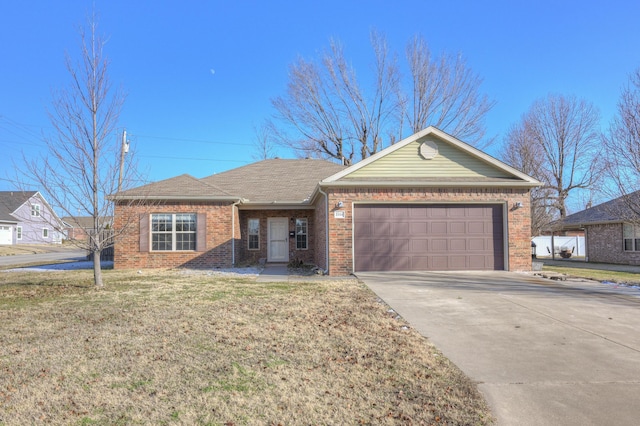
612,230
27,218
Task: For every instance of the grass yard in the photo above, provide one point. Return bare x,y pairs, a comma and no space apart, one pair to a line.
167,347
597,274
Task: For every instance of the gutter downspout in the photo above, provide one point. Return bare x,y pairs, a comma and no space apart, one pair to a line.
326,227
233,231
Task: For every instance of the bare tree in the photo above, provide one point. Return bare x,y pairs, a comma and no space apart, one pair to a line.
445,94
527,157
622,143
563,133
264,144
82,161
327,112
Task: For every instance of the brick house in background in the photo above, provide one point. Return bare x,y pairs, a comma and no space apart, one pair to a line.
78,227
428,202
611,230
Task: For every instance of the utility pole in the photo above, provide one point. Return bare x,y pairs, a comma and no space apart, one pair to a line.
123,150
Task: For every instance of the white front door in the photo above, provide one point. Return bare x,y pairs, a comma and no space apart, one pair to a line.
5,235
278,235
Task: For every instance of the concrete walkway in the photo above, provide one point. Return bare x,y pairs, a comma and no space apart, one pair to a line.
279,272
274,272
542,352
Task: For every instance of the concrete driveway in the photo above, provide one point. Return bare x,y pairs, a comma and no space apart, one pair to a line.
543,353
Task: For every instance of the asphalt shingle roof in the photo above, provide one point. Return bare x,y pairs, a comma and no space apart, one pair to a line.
275,180
85,222
10,201
616,210
180,187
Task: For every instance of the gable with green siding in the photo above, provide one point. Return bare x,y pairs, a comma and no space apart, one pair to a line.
449,162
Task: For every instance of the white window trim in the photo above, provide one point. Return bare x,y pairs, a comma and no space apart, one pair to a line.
635,231
249,234
35,210
19,233
45,232
306,240
173,233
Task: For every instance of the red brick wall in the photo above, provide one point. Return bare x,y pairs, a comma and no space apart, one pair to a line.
217,252
253,256
320,232
518,230
605,244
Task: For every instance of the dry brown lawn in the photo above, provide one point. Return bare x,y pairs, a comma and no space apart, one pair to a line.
167,347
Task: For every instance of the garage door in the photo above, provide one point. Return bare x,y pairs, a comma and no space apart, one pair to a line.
428,237
5,235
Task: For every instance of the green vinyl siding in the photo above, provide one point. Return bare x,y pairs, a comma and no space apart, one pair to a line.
407,162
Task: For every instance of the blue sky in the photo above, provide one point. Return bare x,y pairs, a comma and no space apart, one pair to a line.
184,118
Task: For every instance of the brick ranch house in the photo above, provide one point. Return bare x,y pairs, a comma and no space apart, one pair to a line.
611,230
428,202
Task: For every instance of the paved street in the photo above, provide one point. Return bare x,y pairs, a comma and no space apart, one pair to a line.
55,254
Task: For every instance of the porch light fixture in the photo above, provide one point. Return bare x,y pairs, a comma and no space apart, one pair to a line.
517,205
340,204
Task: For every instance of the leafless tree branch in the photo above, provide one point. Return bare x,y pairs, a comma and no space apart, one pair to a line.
328,112
80,167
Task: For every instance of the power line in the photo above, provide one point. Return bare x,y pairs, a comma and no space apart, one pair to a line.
25,128
191,140
190,158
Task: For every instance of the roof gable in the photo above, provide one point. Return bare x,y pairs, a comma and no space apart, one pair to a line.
10,201
432,155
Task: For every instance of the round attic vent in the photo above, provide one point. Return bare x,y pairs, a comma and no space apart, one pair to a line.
428,150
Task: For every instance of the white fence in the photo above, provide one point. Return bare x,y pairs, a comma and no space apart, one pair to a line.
574,245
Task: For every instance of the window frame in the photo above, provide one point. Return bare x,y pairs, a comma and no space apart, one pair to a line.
630,234
45,232
302,222
35,210
253,234
19,233
173,232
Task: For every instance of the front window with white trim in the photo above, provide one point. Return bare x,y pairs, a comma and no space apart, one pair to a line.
173,232
45,232
35,210
19,232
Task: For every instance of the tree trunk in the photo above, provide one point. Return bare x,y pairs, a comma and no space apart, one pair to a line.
97,269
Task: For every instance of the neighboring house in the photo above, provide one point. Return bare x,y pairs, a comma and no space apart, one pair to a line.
26,218
428,202
612,231
78,227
